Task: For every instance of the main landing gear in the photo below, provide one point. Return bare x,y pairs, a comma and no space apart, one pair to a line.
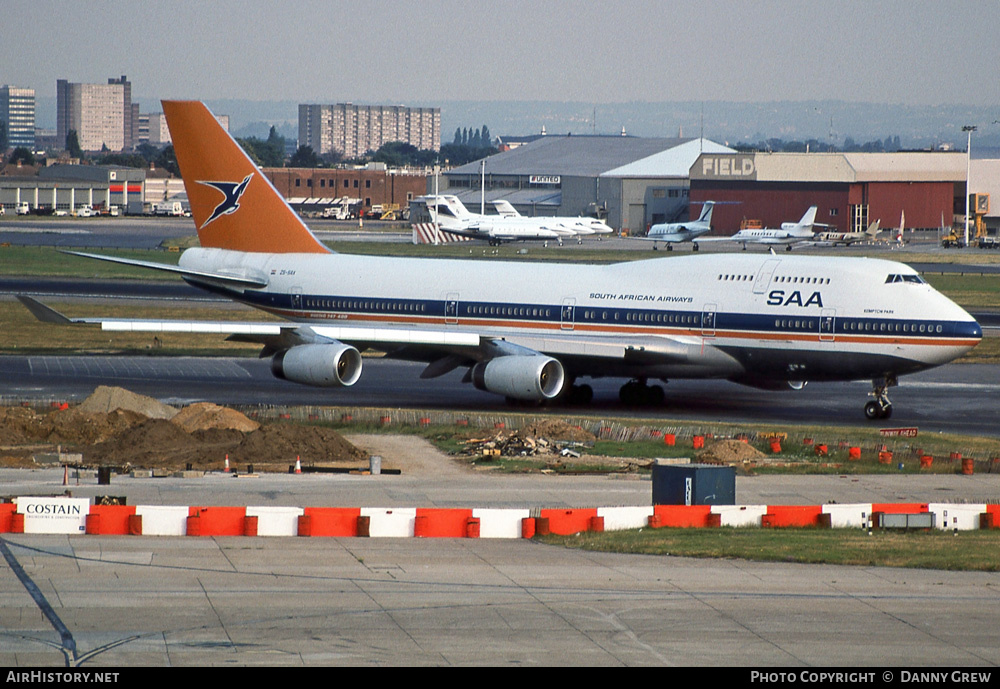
636,393
880,407
578,395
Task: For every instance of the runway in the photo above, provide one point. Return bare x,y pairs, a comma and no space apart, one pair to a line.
954,398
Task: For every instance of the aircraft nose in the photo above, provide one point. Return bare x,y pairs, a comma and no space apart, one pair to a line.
969,329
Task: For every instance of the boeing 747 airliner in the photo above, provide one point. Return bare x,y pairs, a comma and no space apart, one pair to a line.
530,331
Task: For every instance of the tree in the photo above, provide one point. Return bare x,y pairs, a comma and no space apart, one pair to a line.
458,136
23,156
73,144
304,156
269,153
123,160
487,138
166,160
148,151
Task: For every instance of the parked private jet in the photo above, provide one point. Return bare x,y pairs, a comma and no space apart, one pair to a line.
678,232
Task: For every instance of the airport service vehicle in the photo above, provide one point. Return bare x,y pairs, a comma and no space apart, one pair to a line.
84,212
171,208
22,208
532,332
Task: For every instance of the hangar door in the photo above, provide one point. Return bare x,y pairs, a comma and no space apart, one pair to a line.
636,218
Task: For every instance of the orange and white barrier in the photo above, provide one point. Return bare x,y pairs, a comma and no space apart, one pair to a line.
500,523
163,520
621,518
390,523
276,521
963,517
740,515
848,516
77,516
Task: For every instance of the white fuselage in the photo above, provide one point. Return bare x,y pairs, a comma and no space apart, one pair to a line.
737,316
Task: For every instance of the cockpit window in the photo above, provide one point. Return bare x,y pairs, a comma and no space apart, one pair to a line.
916,279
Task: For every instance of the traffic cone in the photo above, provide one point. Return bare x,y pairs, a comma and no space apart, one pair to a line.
298,465
227,465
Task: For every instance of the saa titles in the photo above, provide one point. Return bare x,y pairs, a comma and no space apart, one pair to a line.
779,297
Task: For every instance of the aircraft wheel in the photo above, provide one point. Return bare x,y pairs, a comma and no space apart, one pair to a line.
694,248
872,411
585,394
655,396
788,248
628,393
886,412
670,247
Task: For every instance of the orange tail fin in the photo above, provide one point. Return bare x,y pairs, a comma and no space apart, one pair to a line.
233,204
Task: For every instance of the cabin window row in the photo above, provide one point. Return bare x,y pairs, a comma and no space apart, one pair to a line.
526,311
349,305
793,279
893,327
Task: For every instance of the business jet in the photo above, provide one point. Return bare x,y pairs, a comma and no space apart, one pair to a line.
451,216
678,232
788,234
846,238
531,332
582,225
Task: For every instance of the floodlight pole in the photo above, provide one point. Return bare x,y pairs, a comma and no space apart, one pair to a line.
969,128
482,172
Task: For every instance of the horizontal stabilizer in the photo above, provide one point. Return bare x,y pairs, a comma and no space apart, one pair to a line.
197,275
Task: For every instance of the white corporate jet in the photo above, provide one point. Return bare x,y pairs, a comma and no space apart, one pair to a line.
453,217
846,238
788,234
678,232
582,225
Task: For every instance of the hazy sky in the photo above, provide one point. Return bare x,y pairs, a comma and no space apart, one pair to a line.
919,52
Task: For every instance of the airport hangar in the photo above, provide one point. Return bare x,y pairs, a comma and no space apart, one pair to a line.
629,182
68,187
850,189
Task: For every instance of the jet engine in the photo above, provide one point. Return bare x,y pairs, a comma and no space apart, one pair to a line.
331,365
531,378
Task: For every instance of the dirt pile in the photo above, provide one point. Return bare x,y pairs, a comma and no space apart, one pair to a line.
554,429
205,415
729,452
107,399
200,436
156,443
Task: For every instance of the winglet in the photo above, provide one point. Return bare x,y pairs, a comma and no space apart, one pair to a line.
233,204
